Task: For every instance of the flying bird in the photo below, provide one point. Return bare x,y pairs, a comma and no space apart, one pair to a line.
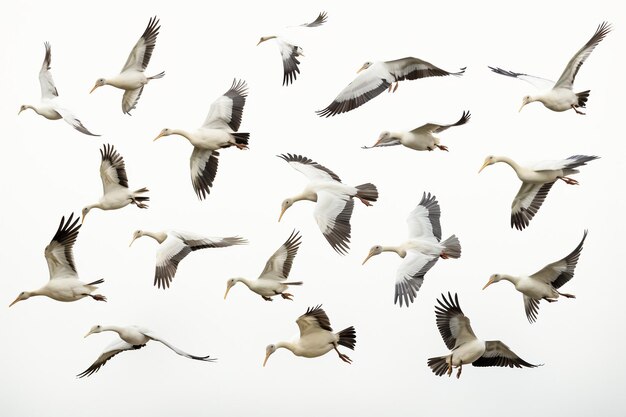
419,139
132,79
64,284
378,77
49,107
465,347
333,199
220,130
545,283
272,280
560,96
536,183
316,337
115,184
290,53
421,251
174,246
131,338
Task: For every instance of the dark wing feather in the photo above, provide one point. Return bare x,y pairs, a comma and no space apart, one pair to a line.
499,354
319,21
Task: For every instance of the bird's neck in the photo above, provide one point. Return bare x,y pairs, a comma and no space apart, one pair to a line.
248,283
183,133
286,345
510,278
397,249
116,329
158,236
305,195
516,167
33,108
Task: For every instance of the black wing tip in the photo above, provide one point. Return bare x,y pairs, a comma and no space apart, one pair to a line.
239,86
311,310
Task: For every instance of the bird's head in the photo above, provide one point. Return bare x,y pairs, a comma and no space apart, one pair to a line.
22,108
288,202
164,132
84,213
265,38
525,101
136,235
24,295
490,160
230,284
383,138
268,351
365,66
375,250
492,279
95,329
99,83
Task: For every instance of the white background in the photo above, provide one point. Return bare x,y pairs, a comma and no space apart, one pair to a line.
50,170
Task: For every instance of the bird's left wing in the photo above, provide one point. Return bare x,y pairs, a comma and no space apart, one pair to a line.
423,221
140,55
311,169
531,307
170,253
279,264
453,325
537,82
73,121
156,338
314,319
196,242
319,21
559,272
527,202
410,275
130,99
59,252
111,350
332,213
112,169
435,128
569,74
289,54
227,109
410,68
499,354
203,166
48,89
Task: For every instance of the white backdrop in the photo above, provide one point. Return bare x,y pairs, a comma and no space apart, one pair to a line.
50,170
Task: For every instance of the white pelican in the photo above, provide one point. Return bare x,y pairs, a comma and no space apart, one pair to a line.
132,78
545,283
64,284
175,245
115,184
218,131
49,107
419,139
421,251
378,77
290,53
466,348
536,183
316,337
131,338
560,95
271,282
334,200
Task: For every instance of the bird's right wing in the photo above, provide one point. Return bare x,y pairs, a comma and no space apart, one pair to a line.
313,320
279,264
226,111
537,82
499,354
311,169
59,252
436,128
142,51
130,99
319,21
154,337
289,55
410,275
112,169
203,166
73,121
170,253
559,272
531,307
527,202
453,325
48,89
423,221
332,213
111,350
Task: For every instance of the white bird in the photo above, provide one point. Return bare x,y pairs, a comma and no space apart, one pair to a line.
218,131
49,107
545,283
536,183
174,246
419,139
131,338
465,347
316,337
115,184
132,78
290,53
378,77
334,200
64,284
560,96
272,282
421,251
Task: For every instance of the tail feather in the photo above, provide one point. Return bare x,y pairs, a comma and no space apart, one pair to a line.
438,365
293,283
347,337
582,98
576,161
96,282
452,247
241,138
156,77
367,192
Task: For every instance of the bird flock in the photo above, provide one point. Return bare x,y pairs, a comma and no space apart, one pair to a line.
334,203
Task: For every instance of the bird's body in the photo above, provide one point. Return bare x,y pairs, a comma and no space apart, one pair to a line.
545,283
420,139
132,338
219,131
333,199
466,348
421,251
116,193
316,337
64,284
537,180
49,106
376,77
132,78
272,280
560,96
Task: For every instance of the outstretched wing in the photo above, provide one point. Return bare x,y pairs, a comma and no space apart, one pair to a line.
48,89
279,264
73,121
313,320
413,68
311,169
111,350
537,82
156,338
527,202
130,99
423,221
289,55
59,252
453,325
332,213
203,166
435,128
226,111
112,169
142,52
560,272
319,21
531,307
499,354
410,275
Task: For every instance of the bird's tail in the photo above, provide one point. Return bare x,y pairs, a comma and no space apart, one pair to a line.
367,192
438,365
347,337
156,77
293,283
576,161
582,98
452,247
241,138
99,281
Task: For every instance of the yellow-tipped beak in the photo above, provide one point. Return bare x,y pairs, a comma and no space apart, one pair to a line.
368,256
488,283
485,165
227,289
94,87
160,136
267,356
281,214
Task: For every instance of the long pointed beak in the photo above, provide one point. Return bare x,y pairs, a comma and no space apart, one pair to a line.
360,69
281,214
131,242
87,334
82,219
21,110
227,289
260,42
488,283
94,87
16,300
267,356
521,107
368,256
160,136
485,165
